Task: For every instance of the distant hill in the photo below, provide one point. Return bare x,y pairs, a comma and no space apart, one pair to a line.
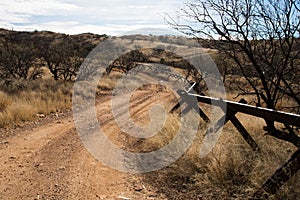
63,54
86,41
21,36
23,53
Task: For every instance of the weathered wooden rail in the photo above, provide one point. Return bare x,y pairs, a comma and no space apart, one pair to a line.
282,174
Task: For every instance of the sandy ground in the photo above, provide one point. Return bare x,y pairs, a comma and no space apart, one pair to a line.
49,161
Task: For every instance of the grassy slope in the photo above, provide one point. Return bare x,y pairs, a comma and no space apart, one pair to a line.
22,101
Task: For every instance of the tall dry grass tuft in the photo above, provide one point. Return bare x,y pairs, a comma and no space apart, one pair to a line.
5,101
22,100
108,82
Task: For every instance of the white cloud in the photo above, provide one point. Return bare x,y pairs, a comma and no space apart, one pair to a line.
73,27
36,7
21,11
140,7
77,16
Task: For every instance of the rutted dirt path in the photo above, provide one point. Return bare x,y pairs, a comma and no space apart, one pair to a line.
50,162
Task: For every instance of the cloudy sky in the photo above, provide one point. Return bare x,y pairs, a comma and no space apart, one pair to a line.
110,17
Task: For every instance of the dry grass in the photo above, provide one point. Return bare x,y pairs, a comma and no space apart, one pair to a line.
5,101
21,101
108,82
230,171
117,79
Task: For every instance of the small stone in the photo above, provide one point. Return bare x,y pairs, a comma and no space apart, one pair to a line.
124,198
12,157
138,188
40,115
152,195
101,196
38,165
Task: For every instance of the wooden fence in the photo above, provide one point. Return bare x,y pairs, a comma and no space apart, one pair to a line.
282,174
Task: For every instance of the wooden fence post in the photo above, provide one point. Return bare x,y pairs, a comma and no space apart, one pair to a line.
283,174
247,137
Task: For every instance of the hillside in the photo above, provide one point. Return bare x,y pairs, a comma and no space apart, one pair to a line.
83,40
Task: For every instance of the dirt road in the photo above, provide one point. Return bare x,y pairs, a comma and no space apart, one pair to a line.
50,162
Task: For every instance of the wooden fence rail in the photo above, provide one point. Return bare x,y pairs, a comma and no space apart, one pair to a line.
268,114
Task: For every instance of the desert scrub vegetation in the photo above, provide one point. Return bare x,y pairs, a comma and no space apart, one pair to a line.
23,54
21,101
232,170
24,100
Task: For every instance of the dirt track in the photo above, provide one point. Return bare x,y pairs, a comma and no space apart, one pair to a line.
50,162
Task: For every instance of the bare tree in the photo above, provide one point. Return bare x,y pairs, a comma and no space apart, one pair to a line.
70,66
261,37
62,59
19,60
53,56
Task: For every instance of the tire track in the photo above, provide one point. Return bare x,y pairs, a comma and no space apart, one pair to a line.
50,162
18,159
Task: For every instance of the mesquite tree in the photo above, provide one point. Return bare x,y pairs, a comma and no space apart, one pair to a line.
62,58
18,61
